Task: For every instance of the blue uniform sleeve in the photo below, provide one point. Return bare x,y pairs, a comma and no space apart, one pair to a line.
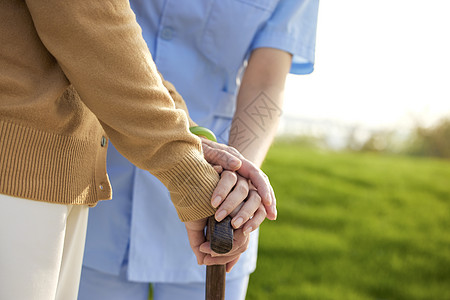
292,28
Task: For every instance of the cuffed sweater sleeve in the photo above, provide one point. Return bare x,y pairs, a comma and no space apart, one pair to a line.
100,49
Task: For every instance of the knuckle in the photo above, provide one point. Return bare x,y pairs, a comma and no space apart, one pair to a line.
250,210
242,189
228,174
227,205
256,173
256,196
221,153
232,149
261,217
218,154
225,173
215,153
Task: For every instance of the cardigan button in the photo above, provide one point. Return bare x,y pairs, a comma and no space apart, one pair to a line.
103,142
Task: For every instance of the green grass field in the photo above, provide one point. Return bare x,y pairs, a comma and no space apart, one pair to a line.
354,226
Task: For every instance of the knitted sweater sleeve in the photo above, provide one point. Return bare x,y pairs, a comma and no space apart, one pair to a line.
178,99
99,47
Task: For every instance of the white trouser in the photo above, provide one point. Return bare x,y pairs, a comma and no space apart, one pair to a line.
41,249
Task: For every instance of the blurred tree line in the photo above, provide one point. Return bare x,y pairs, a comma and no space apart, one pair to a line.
424,141
431,141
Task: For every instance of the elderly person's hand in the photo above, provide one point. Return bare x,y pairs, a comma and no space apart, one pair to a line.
241,201
228,158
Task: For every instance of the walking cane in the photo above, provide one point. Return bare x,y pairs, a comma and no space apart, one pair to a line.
220,235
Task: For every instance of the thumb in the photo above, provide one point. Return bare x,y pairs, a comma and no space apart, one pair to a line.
196,235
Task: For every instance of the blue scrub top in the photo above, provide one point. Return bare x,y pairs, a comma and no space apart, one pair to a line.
201,47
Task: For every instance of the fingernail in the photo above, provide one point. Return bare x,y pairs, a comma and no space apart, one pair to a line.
216,201
220,215
248,230
238,222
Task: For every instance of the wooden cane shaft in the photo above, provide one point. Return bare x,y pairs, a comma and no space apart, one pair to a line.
215,282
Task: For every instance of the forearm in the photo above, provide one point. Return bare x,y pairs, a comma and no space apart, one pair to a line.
259,103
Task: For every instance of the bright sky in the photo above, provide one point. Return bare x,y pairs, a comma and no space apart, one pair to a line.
379,63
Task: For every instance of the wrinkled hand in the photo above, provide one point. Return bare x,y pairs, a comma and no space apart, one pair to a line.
228,158
239,199
203,252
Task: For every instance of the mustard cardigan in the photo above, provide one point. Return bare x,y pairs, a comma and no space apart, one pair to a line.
74,75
